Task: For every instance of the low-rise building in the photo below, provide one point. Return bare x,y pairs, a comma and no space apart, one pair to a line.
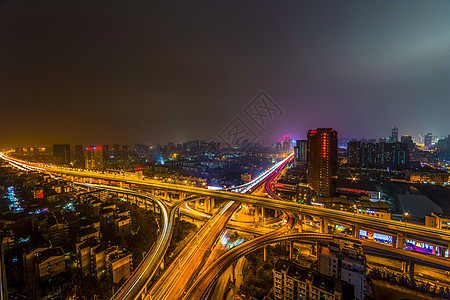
99,261
119,263
122,226
57,231
438,220
345,261
292,281
7,239
30,256
87,233
432,176
379,209
50,263
84,250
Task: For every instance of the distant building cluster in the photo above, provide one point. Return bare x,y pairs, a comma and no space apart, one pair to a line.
367,154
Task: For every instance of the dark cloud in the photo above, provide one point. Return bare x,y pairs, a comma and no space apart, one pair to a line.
140,71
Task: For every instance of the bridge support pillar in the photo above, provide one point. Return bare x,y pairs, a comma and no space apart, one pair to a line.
299,226
411,271
324,226
404,267
265,253
291,246
209,204
357,228
162,264
400,241
233,270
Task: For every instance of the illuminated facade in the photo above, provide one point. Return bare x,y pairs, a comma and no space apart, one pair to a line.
428,139
94,158
301,152
287,145
322,161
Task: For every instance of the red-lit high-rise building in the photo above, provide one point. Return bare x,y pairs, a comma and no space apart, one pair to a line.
322,161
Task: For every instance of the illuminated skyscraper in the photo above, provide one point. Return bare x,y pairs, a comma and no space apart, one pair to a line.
428,139
301,152
94,158
394,136
322,161
287,145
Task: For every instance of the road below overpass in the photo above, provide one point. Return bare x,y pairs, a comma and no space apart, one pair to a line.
184,269
139,279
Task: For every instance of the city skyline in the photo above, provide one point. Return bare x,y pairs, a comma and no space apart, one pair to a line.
224,149
74,72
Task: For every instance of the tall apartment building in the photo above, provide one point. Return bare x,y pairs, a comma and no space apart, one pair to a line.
394,135
322,161
287,145
49,263
94,158
119,263
378,155
428,139
301,153
61,154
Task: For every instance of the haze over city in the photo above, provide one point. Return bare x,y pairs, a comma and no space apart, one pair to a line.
154,72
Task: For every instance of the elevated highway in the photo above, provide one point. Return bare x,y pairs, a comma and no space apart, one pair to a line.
202,286
364,220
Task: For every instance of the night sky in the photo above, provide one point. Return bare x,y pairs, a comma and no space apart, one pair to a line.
97,72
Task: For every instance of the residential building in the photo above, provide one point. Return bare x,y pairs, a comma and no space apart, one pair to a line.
94,158
119,263
345,261
394,136
292,281
50,263
438,220
433,176
61,154
428,140
301,153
